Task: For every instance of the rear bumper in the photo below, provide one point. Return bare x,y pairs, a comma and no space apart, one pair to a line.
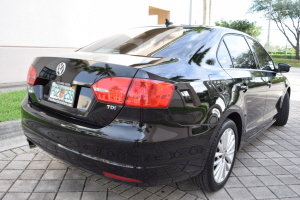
122,148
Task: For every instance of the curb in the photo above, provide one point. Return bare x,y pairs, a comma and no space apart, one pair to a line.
11,135
10,85
10,129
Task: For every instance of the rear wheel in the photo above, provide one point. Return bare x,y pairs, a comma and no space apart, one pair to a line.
220,159
283,113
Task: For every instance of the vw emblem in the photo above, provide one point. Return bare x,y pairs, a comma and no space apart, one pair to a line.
60,69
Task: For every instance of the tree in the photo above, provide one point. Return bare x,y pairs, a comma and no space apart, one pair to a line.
242,25
286,15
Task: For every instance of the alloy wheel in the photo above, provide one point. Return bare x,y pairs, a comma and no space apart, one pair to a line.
224,155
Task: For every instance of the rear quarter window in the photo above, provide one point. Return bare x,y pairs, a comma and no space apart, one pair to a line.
223,56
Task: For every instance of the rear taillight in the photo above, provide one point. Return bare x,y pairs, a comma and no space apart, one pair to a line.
146,93
111,90
31,76
143,93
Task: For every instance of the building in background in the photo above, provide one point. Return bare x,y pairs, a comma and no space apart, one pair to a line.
75,23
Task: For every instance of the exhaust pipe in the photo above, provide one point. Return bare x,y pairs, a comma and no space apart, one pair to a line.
30,144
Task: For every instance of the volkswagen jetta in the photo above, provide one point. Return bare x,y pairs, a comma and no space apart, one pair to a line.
156,105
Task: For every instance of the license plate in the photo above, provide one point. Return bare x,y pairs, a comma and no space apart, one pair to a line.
62,94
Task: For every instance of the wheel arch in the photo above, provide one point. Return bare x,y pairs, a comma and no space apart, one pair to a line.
236,118
289,91
280,101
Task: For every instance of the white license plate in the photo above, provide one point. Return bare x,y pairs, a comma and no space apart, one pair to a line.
62,94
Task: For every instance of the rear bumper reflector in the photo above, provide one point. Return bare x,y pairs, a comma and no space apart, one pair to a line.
121,178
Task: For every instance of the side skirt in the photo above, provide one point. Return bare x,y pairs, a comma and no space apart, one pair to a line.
254,136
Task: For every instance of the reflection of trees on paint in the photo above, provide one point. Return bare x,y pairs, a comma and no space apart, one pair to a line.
101,71
141,130
199,55
79,64
104,71
180,79
47,73
210,61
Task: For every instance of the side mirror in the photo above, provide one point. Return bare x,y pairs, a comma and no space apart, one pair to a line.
283,68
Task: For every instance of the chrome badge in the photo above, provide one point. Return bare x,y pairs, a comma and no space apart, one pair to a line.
60,69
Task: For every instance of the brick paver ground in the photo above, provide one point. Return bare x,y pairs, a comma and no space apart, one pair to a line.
268,168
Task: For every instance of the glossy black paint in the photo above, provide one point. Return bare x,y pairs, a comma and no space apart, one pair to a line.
156,146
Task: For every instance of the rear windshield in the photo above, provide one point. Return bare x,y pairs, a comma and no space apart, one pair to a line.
175,42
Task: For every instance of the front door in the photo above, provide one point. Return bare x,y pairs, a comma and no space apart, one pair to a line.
275,82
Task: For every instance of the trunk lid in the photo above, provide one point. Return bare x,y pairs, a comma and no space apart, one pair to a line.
64,83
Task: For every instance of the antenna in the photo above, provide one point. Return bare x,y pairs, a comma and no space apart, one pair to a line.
168,23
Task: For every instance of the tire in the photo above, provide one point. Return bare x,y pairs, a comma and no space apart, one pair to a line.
211,178
283,113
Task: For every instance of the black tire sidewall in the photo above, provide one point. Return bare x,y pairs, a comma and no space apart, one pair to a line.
211,158
283,113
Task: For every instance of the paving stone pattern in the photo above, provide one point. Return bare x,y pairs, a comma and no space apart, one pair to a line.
268,168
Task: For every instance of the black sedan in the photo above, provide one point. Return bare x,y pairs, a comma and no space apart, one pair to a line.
156,105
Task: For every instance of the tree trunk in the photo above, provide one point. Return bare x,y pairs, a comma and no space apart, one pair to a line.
297,47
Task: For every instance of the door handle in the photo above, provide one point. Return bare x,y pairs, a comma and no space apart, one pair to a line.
244,87
269,84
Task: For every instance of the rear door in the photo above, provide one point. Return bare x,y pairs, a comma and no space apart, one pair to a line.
250,80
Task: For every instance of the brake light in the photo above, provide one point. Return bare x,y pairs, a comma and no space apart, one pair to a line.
146,93
111,89
143,93
31,76
121,178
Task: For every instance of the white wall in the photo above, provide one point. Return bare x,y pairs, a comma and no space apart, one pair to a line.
65,23
15,61
76,23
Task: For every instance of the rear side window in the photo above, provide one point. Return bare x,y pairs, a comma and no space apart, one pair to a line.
224,57
264,60
240,52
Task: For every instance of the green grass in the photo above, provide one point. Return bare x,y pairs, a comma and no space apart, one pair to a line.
10,105
283,56
292,62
